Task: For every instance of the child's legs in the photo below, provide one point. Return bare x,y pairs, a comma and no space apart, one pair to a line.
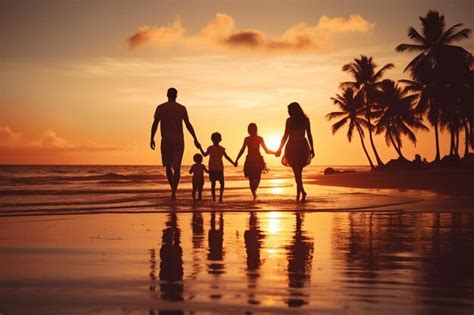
221,182
195,188
200,192
213,189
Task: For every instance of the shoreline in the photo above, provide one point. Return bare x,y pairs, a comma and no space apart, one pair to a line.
444,181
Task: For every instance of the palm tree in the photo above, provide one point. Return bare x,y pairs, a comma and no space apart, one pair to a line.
352,113
398,115
366,79
436,59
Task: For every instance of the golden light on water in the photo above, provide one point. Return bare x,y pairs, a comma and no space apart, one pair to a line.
272,141
273,222
276,189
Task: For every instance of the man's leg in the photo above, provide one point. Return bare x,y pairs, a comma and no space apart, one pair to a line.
169,176
176,177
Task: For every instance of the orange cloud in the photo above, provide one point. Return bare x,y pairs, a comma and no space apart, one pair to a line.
221,32
7,135
48,141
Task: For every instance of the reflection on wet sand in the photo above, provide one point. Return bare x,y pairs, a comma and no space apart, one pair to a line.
197,227
215,255
300,258
253,242
421,261
431,251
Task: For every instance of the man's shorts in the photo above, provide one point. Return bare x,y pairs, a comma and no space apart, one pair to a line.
172,153
216,176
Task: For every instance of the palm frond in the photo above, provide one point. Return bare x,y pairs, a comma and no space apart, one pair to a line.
410,48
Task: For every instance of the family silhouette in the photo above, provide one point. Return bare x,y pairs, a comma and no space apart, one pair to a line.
297,142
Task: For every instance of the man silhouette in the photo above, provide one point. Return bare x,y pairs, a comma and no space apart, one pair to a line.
171,115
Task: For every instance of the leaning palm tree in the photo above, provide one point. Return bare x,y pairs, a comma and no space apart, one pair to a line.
366,80
351,112
398,116
436,55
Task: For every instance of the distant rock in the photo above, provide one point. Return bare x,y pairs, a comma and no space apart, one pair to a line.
332,171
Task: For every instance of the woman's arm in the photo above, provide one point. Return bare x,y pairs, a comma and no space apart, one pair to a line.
205,169
242,150
310,138
284,138
264,146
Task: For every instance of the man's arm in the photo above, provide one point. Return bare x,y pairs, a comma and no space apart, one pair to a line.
191,130
154,127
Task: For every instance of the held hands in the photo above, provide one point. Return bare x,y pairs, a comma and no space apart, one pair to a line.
197,144
235,163
152,144
278,153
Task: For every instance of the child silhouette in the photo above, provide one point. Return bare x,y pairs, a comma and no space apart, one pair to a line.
216,167
254,164
198,169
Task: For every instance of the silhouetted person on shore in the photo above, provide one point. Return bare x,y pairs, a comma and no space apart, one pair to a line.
254,163
216,167
171,115
298,152
198,170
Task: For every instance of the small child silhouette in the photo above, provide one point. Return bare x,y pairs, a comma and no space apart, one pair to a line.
198,170
216,167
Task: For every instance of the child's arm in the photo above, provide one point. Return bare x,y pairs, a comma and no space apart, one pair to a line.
191,169
204,153
229,159
242,150
264,146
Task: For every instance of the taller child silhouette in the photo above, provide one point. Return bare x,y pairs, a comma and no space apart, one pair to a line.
171,115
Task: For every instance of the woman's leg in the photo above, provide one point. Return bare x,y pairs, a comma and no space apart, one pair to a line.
298,192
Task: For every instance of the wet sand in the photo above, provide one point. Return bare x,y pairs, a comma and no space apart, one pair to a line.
346,250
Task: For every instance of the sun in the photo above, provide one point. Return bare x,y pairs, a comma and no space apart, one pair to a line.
272,141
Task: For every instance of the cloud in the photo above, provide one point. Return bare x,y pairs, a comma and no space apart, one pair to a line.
48,140
8,135
221,33
160,35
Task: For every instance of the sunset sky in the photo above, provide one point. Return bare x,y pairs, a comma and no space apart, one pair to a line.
80,80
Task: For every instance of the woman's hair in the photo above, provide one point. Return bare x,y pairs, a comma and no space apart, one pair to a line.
297,114
216,137
197,158
252,129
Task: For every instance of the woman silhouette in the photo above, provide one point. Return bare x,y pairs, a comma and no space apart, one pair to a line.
298,153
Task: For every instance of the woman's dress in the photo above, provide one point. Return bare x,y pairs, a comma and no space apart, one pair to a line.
297,150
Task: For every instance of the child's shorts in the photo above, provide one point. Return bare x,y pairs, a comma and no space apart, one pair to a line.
216,176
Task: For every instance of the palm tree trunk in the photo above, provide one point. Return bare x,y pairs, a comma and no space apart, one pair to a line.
452,144
365,149
466,136
399,151
456,142
377,157
438,157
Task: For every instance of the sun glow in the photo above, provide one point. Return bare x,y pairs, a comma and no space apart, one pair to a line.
272,141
